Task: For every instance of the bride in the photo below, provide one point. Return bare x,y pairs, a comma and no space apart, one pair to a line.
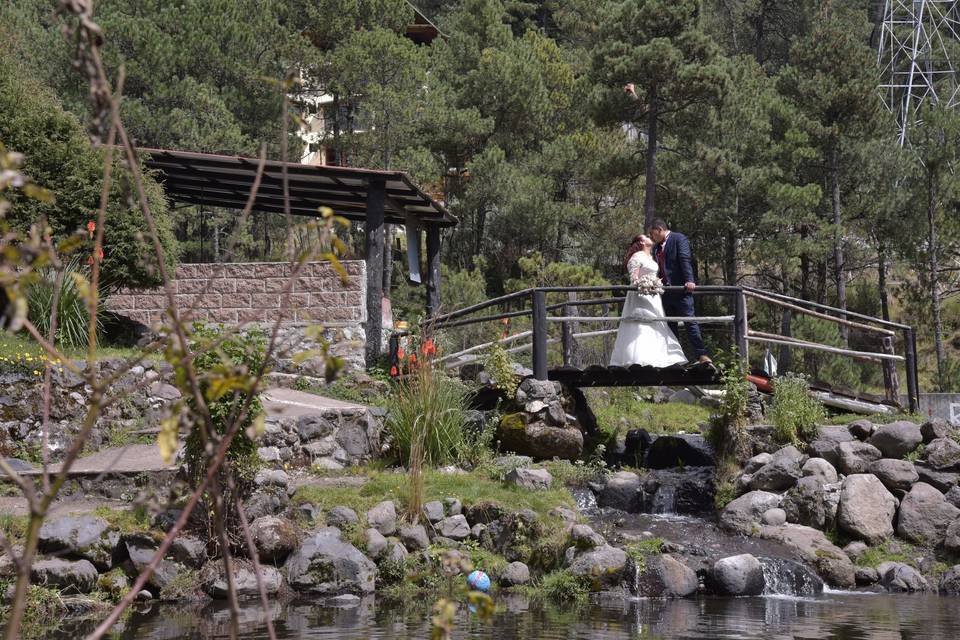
640,341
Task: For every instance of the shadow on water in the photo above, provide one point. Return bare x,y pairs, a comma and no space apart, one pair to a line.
837,616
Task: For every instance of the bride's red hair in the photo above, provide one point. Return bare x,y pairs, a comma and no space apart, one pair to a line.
635,245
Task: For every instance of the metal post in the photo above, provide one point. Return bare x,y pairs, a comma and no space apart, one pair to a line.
910,353
539,335
740,327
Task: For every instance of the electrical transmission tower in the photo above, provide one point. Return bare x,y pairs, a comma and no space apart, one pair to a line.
918,55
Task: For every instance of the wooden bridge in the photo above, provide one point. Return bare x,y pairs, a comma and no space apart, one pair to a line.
553,332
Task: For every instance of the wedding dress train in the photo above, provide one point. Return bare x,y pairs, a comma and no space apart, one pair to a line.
643,342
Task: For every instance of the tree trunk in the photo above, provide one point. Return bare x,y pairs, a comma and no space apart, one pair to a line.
838,263
730,246
785,360
882,278
804,267
336,128
388,232
650,185
934,267
822,281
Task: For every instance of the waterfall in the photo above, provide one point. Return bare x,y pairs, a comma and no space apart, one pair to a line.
664,500
788,578
585,499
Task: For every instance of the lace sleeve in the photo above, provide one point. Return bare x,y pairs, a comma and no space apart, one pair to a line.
634,269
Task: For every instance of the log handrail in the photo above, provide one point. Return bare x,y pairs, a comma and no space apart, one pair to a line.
817,314
862,355
825,307
700,319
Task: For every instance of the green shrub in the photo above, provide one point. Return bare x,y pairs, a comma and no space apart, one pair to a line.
795,415
73,317
563,586
500,367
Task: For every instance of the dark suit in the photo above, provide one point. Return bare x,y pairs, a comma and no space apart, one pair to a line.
676,268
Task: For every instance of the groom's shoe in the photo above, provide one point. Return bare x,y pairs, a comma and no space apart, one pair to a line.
704,359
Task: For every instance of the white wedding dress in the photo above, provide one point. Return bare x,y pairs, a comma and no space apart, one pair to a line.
643,342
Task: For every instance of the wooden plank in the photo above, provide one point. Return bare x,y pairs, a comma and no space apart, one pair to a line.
822,316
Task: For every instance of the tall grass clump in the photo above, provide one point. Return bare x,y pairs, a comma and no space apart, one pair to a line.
795,415
73,316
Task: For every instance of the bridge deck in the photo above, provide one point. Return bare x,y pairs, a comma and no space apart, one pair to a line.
636,376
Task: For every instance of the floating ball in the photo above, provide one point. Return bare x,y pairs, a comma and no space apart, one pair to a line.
478,581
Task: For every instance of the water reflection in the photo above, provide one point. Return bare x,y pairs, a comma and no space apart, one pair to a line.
835,616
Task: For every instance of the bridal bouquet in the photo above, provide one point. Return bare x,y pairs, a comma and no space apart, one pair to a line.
649,285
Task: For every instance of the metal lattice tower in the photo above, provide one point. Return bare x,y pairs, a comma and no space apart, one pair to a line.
918,55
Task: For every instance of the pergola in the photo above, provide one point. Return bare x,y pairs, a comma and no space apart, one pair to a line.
371,196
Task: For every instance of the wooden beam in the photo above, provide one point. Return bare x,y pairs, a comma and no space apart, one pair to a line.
858,355
700,319
373,236
433,270
822,316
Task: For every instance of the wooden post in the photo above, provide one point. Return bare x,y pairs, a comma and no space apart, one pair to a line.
433,270
373,236
539,335
891,380
605,310
740,328
910,352
569,328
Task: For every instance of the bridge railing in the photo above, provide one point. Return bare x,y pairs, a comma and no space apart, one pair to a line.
533,303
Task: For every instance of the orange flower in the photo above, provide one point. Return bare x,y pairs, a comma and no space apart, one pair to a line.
400,353
393,372
429,348
91,227
413,358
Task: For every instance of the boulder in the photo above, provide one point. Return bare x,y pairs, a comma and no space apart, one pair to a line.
743,514
395,554
603,565
383,517
950,581
820,469
805,503
941,480
866,508
663,576
140,550
953,496
454,527
530,479
84,536
866,576
68,576
213,581
855,457
901,578
951,541
516,574
375,542
584,537
896,475
942,454
756,462
855,549
326,565
786,577
539,440
825,449
684,396
896,439
936,428
414,537
781,473
342,517
861,429
484,512
622,491
814,548
274,537
925,515
454,507
740,575
681,491
189,551
774,517
680,450
266,501
434,511
272,478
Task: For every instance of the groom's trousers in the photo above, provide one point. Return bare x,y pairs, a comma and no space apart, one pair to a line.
682,305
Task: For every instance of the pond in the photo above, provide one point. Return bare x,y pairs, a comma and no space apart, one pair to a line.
841,616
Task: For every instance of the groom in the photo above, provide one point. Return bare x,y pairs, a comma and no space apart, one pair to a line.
672,253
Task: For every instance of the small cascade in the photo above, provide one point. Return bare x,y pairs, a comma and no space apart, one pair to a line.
788,578
585,499
664,500
635,587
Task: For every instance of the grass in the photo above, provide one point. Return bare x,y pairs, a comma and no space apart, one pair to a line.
877,418
620,409
14,527
638,551
874,556
23,343
560,586
126,520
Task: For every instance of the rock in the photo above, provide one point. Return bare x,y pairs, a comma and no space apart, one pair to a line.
516,574
530,479
680,491
603,565
855,549
622,491
68,576
806,503
214,582
902,578
941,480
744,513
861,429
83,536
684,396
376,543
663,576
781,473
506,464
826,449
814,548
953,496
541,389
935,429
513,535
383,517
925,515
866,576
943,454
835,433
477,530
268,501
484,512
896,475
950,581
433,511
774,517
564,514
789,578
269,454
896,439
555,414
272,478
414,537
866,508
454,527
309,511
680,450
454,506
189,551
756,462
539,440
140,550
855,457
326,565
584,537
164,391
951,541
144,596
314,427
740,575
820,469
396,553
115,583
342,517
274,537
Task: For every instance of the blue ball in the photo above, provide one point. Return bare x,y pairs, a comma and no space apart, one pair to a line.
478,581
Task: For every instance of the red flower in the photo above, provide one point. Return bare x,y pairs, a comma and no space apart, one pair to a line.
413,358
429,348
91,227
400,353
393,372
